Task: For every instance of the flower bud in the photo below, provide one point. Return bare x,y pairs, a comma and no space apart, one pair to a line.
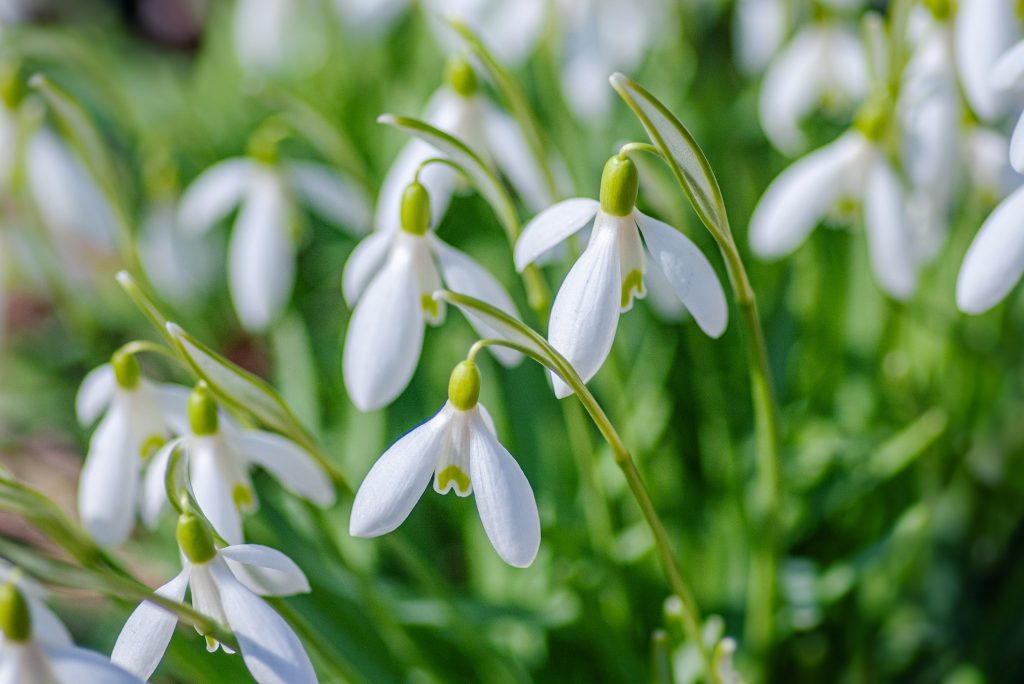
126,369
460,77
619,185
464,386
194,538
15,619
202,411
415,209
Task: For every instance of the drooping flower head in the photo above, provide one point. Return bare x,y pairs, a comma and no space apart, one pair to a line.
610,273
458,449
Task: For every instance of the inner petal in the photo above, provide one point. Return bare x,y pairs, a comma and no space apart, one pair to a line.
631,262
452,470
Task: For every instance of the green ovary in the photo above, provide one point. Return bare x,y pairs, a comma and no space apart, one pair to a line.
454,474
633,281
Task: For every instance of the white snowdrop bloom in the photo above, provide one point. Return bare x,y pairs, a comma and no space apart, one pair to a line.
135,425
373,16
458,449
226,586
759,30
600,37
182,266
390,279
849,168
1008,77
823,64
610,273
261,251
35,648
218,455
995,261
278,36
461,110
984,31
510,28
987,163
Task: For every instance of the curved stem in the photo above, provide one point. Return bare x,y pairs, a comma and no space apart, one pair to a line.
640,147
140,346
437,160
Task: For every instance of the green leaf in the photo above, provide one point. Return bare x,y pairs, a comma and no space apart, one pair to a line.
685,157
146,305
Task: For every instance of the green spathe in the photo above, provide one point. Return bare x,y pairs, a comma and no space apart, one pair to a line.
202,411
15,619
126,369
464,386
620,183
415,209
194,538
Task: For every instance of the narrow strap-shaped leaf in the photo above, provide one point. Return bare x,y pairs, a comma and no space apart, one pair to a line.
681,151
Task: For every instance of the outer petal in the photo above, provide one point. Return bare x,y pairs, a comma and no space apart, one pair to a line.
1017,146
689,272
385,334
180,265
759,27
214,194
72,665
154,492
172,402
95,393
365,261
144,638
791,87
995,260
331,195
586,309
892,254
504,498
464,275
212,482
512,155
261,256
109,480
1008,71
552,226
270,649
799,198
985,29
46,626
397,480
287,462
264,570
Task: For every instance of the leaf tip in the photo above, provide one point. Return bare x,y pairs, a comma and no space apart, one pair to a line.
174,329
38,81
388,119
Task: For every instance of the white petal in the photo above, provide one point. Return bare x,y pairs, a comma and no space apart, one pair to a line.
985,29
586,309
512,154
214,194
1017,146
662,297
144,638
995,260
759,27
72,665
504,498
172,402
552,226
181,265
690,273
95,393
791,88
264,570
261,255
385,334
799,198
290,465
213,477
154,491
46,626
270,649
365,261
892,254
464,275
1008,71
260,28
397,480
331,195
107,488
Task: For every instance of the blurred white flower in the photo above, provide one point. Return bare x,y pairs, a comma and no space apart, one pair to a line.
610,273
181,265
995,261
987,163
1008,77
373,16
134,426
35,648
226,587
218,455
759,30
851,167
278,36
510,28
823,64
458,447
390,278
261,251
984,31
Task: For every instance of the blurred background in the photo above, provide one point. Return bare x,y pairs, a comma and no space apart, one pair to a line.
903,484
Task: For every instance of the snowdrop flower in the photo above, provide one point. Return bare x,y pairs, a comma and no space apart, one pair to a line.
373,16
134,426
459,449
261,252
852,167
181,265
35,647
276,36
984,31
460,109
390,278
510,28
759,30
218,456
995,260
226,587
1008,76
610,273
823,63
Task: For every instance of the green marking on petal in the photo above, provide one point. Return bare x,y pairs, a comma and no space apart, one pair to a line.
633,281
211,643
430,305
453,473
242,496
151,446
